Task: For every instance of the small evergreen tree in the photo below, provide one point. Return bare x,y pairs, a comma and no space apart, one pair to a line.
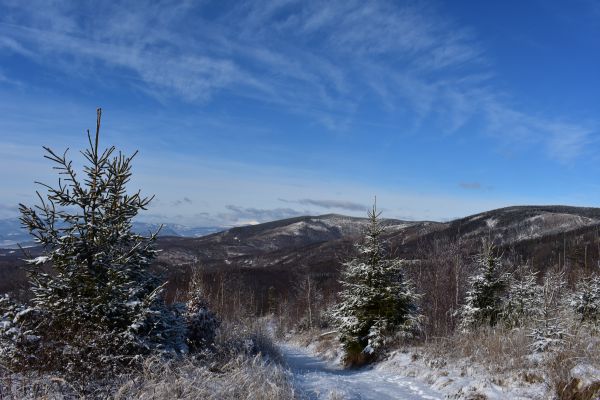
483,303
376,300
549,328
586,300
202,323
523,299
100,308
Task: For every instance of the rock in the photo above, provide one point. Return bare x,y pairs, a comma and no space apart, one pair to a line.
584,384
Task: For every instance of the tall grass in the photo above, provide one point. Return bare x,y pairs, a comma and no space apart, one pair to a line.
509,351
243,377
243,364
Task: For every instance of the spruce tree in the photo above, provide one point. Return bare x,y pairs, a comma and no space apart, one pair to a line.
99,308
202,323
549,327
484,302
586,299
523,299
376,301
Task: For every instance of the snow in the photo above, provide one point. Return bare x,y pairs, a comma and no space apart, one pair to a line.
586,373
462,379
38,260
22,313
408,373
320,379
491,222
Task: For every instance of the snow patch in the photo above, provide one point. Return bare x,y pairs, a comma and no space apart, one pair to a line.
491,222
38,260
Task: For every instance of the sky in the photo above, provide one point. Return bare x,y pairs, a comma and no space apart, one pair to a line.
250,111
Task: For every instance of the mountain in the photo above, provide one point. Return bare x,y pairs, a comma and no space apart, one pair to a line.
541,235
275,252
168,229
310,240
264,244
12,234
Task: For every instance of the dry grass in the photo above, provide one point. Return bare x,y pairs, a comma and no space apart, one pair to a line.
244,364
500,350
241,378
244,377
503,352
581,347
34,386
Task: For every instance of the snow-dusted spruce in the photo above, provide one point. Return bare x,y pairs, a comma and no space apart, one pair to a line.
483,303
586,300
100,308
11,335
549,329
523,298
202,323
376,301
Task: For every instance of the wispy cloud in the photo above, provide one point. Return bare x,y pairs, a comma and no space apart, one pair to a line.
322,60
6,80
329,204
238,215
183,201
562,141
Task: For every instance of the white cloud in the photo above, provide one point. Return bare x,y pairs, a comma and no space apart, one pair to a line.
329,204
321,60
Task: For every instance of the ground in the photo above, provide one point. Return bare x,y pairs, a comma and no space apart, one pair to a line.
320,379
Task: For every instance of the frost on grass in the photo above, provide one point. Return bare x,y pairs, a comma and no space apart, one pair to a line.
243,377
242,363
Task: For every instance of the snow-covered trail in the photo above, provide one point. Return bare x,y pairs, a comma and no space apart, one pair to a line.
318,379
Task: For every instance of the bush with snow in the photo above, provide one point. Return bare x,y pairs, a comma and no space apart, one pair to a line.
228,370
12,336
586,300
377,301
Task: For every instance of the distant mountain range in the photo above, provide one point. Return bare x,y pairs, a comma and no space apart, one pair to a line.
540,234
275,252
12,234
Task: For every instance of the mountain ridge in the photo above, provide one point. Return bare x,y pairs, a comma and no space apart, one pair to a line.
541,235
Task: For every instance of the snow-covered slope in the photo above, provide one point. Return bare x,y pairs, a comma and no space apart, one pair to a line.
516,224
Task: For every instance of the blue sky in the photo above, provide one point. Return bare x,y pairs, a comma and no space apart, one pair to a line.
251,111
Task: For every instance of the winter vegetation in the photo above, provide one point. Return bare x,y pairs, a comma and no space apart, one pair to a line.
457,319
97,323
376,303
